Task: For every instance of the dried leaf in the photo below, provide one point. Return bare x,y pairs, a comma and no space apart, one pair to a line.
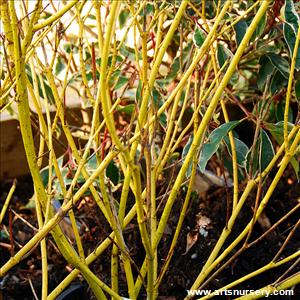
191,239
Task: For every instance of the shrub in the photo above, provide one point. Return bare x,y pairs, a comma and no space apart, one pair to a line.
191,84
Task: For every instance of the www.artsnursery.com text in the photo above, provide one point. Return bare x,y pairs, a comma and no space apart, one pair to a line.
264,293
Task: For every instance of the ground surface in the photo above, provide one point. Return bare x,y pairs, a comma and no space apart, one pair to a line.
185,265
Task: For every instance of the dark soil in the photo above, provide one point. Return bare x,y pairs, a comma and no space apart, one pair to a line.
184,267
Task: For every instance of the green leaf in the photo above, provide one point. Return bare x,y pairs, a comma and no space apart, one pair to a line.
199,37
45,171
280,64
156,98
174,69
277,83
90,76
186,52
290,14
263,154
46,15
290,28
31,204
59,65
68,176
175,66
87,54
295,164
163,120
235,79
123,16
47,87
129,53
210,9
111,58
297,90
266,150
228,165
128,109
92,164
241,150
68,47
266,69
92,17
276,130
121,82
253,159
45,175
280,107
290,39
113,173
185,151
260,27
138,95
215,138
148,10
158,102
113,78
240,29
223,54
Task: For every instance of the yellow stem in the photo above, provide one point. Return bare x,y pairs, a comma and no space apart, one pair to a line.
289,91
7,200
55,17
265,268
